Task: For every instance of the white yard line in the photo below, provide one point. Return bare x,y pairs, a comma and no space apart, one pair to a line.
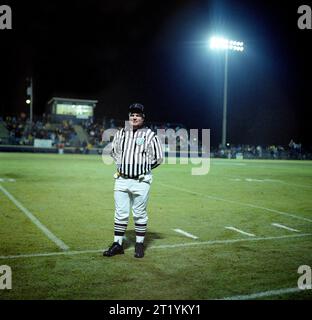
253,180
49,254
185,233
240,231
164,246
289,184
263,294
269,180
229,164
284,227
296,185
236,202
35,221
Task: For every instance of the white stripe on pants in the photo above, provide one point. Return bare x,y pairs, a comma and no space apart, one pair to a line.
131,193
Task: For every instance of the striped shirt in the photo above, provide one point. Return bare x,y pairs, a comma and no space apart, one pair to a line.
136,152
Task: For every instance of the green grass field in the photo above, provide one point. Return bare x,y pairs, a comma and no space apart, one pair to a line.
72,196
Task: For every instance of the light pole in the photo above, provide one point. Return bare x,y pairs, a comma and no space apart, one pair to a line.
30,99
217,43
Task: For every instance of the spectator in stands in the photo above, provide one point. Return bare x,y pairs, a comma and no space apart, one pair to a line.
84,147
61,143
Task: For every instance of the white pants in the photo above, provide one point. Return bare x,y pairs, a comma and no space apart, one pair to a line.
131,193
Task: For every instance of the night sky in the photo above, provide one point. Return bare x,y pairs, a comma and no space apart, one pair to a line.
156,53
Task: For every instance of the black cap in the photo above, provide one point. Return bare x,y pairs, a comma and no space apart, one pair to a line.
136,108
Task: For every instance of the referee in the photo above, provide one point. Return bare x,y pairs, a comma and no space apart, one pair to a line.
136,150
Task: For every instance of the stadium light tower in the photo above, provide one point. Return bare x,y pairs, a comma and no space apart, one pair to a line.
29,100
218,43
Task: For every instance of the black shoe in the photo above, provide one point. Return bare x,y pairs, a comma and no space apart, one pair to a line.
139,250
114,249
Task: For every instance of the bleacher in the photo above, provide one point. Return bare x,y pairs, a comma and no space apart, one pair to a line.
18,134
4,133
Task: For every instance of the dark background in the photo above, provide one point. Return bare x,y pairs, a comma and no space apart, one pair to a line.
155,52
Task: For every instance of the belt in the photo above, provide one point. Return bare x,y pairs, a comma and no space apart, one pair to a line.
135,178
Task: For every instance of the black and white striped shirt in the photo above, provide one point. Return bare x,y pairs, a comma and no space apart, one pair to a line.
136,152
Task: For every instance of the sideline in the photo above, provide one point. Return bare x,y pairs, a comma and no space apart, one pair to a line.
165,246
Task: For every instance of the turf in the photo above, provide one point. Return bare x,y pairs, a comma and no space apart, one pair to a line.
72,195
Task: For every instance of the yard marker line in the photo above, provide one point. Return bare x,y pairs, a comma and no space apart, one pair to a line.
237,202
213,242
284,227
263,294
290,184
34,220
164,246
241,231
49,254
229,164
185,233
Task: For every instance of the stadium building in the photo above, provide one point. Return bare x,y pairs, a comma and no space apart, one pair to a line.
76,110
